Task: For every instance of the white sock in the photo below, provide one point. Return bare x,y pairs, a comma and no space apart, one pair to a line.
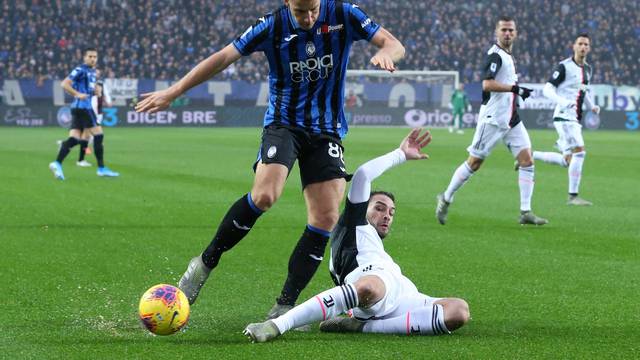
326,305
459,178
575,171
423,321
550,158
525,181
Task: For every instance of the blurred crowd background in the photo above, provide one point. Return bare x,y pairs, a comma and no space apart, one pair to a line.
163,39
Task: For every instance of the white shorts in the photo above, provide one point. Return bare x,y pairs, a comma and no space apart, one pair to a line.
487,136
400,297
569,136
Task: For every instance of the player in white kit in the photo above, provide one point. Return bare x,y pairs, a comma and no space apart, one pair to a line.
368,281
568,87
498,120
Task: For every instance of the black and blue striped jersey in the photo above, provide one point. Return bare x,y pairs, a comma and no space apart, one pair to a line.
307,68
83,80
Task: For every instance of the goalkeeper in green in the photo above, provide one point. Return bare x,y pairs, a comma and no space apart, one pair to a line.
458,103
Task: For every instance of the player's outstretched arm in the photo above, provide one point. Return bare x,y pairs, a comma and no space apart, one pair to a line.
390,50
410,149
206,69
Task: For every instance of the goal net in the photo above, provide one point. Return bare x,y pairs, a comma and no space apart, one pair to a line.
401,98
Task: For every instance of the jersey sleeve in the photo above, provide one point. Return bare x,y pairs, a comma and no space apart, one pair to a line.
76,74
362,27
256,37
355,214
492,66
558,75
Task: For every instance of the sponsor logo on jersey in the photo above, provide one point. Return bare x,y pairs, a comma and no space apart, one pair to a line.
365,23
312,69
326,28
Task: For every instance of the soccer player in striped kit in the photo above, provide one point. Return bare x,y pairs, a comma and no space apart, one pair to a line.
568,87
81,85
307,45
498,120
368,281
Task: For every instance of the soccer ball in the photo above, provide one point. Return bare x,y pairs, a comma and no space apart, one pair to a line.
164,309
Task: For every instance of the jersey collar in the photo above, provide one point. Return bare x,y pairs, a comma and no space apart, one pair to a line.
503,49
321,18
575,62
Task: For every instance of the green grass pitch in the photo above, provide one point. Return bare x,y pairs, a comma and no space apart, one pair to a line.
77,255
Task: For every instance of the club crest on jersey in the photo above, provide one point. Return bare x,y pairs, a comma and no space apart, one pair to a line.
310,48
326,28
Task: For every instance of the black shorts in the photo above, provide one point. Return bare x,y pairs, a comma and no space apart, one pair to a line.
83,119
320,157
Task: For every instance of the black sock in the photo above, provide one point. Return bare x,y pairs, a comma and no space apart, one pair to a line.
98,149
303,263
65,148
84,144
237,223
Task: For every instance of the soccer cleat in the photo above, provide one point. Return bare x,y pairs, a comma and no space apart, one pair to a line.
442,209
196,275
56,169
529,218
83,163
261,332
342,325
106,172
578,201
278,310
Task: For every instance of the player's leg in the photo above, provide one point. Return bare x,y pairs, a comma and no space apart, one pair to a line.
277,155
484,140
323,174
518,142
433,318
98,148
365,292
78,123
551,157
576,160
84,145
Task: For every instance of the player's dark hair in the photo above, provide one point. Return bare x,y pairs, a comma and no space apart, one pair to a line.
584,35
87,49
504,18
385,193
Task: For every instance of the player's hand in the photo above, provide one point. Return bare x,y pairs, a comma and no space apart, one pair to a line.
522,91
155,101
383,61
596,110
82,96
413,144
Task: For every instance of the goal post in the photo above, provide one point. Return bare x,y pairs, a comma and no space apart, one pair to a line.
400,98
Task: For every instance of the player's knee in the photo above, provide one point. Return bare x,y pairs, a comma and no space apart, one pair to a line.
474,163
324,219
264,200
456,314
370,290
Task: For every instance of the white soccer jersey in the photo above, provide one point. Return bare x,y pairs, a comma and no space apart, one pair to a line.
500,108
571,82
354,242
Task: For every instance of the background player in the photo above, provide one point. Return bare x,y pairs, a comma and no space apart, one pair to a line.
498,120
81,85
307,44
568,88
368,280
459,103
